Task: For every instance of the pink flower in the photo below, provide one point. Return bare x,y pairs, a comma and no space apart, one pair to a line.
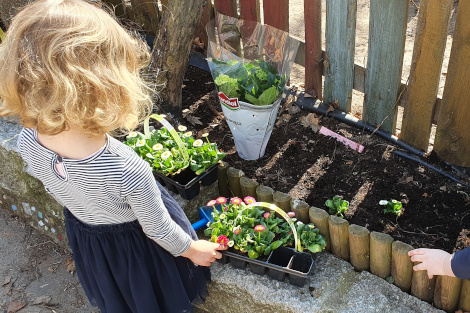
260,228
267,215
237,230
236,201
211,203
291,214
222,240
249,200
221,200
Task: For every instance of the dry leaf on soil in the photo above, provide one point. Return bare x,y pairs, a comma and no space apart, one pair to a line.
193,120
310,120
15,306
6,281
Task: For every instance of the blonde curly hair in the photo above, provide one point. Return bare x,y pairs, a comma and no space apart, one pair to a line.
69,62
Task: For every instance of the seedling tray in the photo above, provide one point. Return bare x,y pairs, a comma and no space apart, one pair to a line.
187,183
297,268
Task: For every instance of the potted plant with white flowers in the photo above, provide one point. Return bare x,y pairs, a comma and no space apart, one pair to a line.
179,161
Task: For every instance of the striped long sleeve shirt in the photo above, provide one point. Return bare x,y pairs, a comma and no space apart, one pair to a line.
112,186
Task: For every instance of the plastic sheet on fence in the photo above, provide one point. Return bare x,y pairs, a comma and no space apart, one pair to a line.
250,63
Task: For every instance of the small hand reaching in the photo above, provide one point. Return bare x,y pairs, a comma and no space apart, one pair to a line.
203,252
435,261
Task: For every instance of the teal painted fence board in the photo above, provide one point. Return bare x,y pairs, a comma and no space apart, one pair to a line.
384,64
339,57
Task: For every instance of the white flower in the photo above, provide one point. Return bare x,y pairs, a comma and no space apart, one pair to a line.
311,226
383,202
186,111
394,201
140,143
299,223
187,134
166,155
182,128
293,219
133,135
208,224
231,243
205,134
222,216
198,143
157,147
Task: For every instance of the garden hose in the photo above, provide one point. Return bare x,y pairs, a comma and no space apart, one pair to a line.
413,158
172,131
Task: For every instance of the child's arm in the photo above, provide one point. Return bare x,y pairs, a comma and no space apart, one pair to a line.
461,263
141,191
435,261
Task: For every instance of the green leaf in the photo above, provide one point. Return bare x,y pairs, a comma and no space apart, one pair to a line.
314,248
253,254
249,98
276,244
268,96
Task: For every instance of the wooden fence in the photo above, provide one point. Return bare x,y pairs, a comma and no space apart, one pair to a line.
380,80
375,252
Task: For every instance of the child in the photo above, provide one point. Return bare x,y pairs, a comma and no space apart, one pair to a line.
71,75
440,262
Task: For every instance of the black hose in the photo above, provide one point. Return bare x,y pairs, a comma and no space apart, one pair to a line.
413,158
321,108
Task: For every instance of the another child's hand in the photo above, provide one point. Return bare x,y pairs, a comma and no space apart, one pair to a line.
435,261
203,252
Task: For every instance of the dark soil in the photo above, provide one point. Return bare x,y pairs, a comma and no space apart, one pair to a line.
312,167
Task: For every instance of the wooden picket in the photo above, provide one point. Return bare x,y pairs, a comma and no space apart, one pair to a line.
313,53
339,57
453,134
384,63
276,13
250,10
226,7
428,54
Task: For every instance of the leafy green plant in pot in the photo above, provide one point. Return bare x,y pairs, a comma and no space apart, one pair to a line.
169,152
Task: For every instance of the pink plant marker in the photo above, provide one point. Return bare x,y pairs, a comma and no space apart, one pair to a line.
353,145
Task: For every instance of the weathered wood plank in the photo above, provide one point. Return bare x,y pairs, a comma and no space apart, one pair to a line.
205,18
276,13
453,134
250,10
428,54
313,51
226,7
339,57
387,28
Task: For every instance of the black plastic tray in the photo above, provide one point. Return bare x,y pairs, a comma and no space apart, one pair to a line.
302,261
187,183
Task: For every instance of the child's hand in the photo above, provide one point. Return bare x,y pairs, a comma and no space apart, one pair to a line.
435,261
203,252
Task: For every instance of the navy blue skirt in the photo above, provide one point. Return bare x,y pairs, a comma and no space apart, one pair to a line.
122,270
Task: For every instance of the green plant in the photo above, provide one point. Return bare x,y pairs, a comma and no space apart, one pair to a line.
337,206
310,237
392,206
163,153
258,83
257,232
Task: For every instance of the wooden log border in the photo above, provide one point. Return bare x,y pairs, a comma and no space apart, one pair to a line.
376,252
